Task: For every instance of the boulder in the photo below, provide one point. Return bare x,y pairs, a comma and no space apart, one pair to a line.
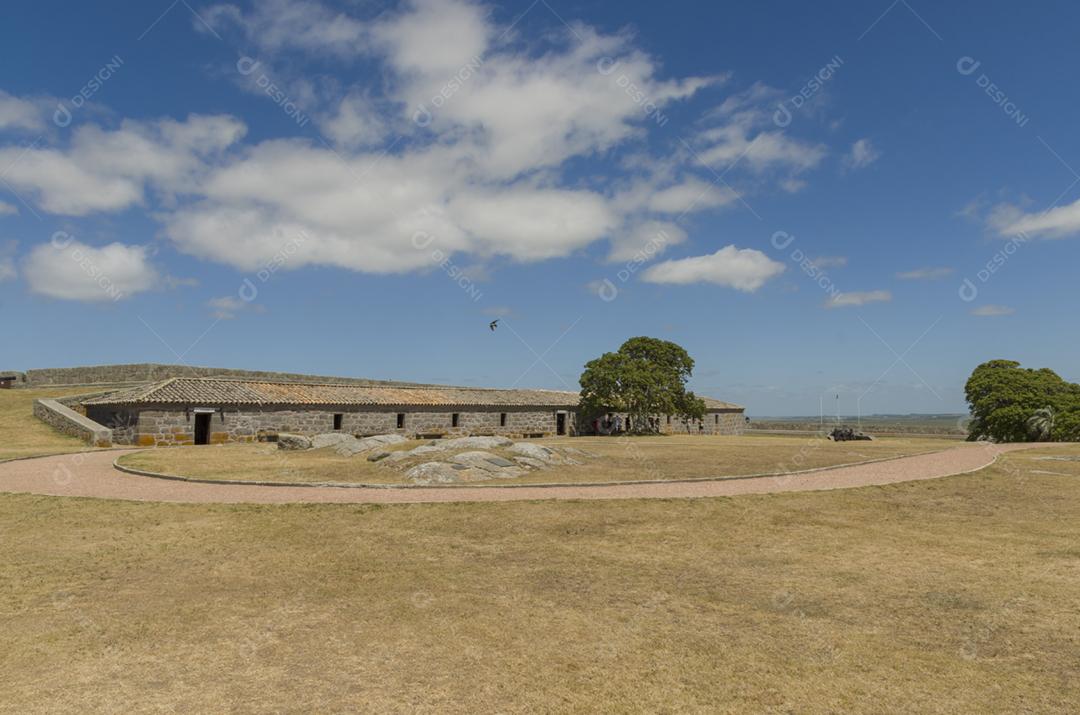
443,445
536,451
293,442
330,439
488,462
378,456
449,445
531,463
423,449
443,473
359,446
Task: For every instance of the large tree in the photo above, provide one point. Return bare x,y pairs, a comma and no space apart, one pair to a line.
645,378
1014,404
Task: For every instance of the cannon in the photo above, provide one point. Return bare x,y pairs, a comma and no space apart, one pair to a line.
846,434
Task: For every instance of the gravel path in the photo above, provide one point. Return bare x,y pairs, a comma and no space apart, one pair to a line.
92,475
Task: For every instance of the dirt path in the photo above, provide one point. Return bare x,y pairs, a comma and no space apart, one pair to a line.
92,475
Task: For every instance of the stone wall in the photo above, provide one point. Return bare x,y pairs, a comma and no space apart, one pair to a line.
150,372
122,423
176,426
723,422
20,377
66,420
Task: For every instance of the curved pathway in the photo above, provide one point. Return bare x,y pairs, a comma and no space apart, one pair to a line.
91,474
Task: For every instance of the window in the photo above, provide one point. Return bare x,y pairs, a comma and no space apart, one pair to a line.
400,420
454,419
337,421
502,419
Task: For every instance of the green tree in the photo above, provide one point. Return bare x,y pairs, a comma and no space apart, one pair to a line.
1009,403
645,378
1041,424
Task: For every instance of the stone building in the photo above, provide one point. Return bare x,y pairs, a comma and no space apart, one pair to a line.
720,418
211,410
182,411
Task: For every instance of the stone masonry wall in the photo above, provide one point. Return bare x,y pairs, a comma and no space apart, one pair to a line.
723,422
69,422
167,427
123,423
20,377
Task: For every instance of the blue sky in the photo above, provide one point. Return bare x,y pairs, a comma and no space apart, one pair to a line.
855,198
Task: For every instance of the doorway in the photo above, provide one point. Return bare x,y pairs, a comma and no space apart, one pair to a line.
202,428
560,423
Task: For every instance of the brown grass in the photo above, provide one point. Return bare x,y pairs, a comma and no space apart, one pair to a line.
21,435
954,595
617,459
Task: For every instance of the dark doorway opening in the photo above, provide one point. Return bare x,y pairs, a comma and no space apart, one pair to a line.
337,421
560,423
202,427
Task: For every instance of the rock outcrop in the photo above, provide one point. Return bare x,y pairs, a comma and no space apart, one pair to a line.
515,459
293,442
355,446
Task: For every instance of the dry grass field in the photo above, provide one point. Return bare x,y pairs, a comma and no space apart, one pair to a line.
617,459
955,595
23,436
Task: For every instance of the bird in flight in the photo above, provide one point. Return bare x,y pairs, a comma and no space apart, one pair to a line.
494,324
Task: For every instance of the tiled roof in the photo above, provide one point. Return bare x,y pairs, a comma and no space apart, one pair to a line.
218,391
712,404
211,391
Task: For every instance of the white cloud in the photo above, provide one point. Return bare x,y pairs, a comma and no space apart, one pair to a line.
72,270
1060,222
356,123
930,273
830,261
7,261
973,210
434,38
19,114
744,269
746,135
862,154
792,185
483,175
749,101
108,170
644,241
737,142
524,113
992,311
532,224
291,24
227,307
7,209
848,300
604,289
691,194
